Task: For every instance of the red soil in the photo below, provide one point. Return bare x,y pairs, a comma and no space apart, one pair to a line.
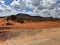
31,25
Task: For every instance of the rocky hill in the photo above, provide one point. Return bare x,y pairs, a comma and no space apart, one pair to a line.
27,18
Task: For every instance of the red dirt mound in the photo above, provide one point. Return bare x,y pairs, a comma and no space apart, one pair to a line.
12,25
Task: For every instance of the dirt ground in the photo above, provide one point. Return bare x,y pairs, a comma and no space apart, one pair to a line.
31,25
49,36
33,33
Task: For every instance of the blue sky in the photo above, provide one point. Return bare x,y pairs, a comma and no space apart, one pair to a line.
45,8
8,2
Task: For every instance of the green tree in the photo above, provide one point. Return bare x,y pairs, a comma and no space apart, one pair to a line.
21,20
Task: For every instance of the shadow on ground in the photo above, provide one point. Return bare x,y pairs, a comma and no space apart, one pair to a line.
5,35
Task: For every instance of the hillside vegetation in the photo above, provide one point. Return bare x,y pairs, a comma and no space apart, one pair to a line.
27,18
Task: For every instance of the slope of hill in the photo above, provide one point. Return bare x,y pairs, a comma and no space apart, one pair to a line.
24,21
25,17
23,29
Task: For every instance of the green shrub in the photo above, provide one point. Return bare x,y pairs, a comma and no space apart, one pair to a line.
12,17
21,20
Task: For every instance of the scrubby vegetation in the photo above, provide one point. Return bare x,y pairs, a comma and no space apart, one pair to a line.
21,18
9,23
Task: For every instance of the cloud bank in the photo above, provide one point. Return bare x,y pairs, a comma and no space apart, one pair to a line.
45,8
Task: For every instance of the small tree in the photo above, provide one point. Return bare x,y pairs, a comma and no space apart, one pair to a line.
21,20
51,18
12,17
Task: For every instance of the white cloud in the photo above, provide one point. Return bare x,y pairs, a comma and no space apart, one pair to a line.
1,9
18,5
6,9
28,4
15,4
36,2
44,8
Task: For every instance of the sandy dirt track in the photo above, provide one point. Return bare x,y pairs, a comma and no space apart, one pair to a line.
50,36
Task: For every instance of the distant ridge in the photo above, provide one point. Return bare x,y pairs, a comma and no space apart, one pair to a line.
21,20
20,17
